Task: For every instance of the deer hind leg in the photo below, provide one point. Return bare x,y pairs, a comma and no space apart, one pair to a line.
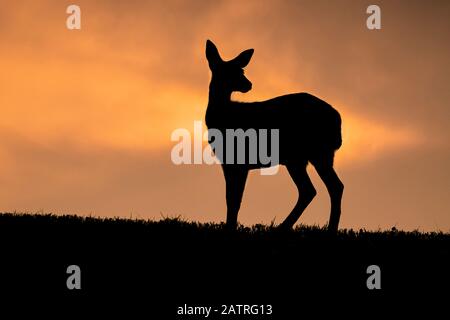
306,193
235,178
335,187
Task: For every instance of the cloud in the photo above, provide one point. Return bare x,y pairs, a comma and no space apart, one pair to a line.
87,115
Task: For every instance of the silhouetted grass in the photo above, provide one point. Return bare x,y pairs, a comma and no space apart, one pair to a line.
187,260
177,224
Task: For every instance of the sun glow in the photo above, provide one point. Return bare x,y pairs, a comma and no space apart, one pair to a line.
365,140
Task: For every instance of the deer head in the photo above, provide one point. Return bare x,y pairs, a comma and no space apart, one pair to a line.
228,76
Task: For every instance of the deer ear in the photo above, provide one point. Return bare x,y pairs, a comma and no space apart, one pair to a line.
243,59
212,54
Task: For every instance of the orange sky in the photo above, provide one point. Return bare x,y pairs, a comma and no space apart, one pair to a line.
87,115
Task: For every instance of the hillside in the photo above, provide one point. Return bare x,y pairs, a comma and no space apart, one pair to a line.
169,263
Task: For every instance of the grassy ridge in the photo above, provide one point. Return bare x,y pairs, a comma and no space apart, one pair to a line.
179,225
172,261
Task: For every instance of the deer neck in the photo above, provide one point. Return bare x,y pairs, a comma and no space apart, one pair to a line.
218,97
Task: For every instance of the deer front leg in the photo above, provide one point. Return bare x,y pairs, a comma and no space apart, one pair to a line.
235,178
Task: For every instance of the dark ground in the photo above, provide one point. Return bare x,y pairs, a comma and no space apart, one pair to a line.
154,267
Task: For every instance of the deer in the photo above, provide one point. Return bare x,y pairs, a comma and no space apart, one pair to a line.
309,132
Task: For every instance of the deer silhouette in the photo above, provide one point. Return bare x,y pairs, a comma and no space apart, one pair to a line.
309,131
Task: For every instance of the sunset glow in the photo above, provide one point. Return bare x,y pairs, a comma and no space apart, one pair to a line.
86,116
